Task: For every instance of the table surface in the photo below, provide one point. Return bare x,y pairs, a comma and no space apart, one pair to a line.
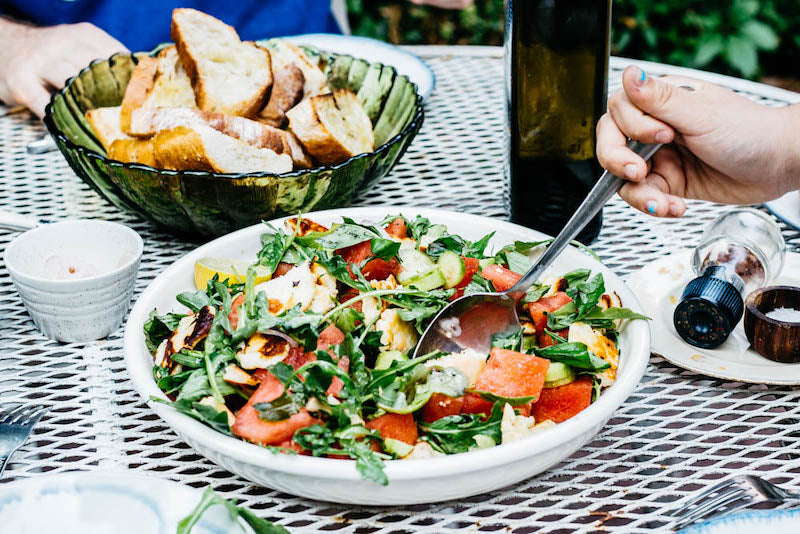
679,432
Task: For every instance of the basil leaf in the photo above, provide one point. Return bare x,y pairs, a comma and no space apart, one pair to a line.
519,263
577,276
611,314
273,248
453,243
535,292
554,336
507,340
211,498
205,414
476,249
587,294
478,284
282,371
385,249
157,328
575,355
418,227
278,409
171,383
513,401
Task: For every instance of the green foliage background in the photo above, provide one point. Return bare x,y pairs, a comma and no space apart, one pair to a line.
749,38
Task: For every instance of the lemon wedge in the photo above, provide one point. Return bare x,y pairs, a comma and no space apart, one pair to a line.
233,270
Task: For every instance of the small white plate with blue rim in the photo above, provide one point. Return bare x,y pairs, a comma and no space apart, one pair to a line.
374,51
767,521
659,286
104,503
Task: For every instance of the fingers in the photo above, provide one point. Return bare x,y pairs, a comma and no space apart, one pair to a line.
649,196
635,123
31,93
58,72
612,153
663,101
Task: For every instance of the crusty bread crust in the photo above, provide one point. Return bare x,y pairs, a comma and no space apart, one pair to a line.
195,65
330,141
132,150
206,149
106,125
287,91
139,86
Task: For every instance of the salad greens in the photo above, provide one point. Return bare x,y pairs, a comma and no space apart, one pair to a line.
292,363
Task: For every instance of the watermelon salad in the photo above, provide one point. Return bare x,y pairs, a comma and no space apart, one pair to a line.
317,357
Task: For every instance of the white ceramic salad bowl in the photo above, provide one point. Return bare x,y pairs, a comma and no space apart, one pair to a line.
410,481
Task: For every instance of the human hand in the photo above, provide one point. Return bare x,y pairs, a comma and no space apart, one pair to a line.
445,4
719,146
34,60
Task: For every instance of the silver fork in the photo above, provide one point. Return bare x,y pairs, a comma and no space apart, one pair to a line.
15,427
729,495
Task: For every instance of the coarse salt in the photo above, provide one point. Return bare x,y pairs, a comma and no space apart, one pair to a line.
786,315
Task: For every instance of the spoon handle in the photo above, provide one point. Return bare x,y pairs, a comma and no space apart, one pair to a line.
16,222
604,189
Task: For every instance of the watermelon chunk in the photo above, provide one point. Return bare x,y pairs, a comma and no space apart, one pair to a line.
502,278
545,305
250,427
561,403
440,405
378,269
233,316
397,228
513,374
329,337
471,266
395,426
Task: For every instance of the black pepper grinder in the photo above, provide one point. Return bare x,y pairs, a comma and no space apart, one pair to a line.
739,251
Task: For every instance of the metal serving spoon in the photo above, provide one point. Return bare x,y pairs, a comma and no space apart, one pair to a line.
472,321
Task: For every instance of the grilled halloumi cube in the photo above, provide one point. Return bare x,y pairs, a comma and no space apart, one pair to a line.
421,451
598,344
306,227
190,331
514,427
306,284
262,351
468,361
372,307
236,375
397,334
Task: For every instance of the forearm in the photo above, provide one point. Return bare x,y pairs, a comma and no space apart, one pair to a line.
790,147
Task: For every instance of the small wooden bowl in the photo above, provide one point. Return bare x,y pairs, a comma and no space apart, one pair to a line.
776,340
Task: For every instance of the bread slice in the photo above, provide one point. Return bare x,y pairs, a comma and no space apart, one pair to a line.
284,53
133,150
206,149
156,82
287,91
332,127
228,76
254,133
106,125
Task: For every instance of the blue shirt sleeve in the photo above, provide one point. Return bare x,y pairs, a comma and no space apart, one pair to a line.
143,24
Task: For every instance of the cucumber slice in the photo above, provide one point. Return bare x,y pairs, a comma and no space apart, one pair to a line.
433,279
414,262
397,447
558,374
486,261
385,359
434,232
452,267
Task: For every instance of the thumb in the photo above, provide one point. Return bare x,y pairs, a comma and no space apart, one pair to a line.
675,105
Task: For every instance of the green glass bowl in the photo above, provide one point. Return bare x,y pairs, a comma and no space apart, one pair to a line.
205,204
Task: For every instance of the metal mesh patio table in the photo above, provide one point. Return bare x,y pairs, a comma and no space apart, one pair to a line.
679,432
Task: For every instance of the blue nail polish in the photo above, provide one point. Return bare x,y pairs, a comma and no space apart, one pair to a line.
644,76
651,207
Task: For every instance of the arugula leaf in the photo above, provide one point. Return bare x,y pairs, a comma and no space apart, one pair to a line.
157,328
456,433
507,340
418,227
211,498
477,248
342,236
283,372
352,441
194,300
554,336
513,401
459,245
347,318
205,414
274,247
575,355
171,383
385,249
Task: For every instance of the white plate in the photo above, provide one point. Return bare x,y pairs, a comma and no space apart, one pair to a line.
374,51
660,284
104,503
410,481
787,208
768,521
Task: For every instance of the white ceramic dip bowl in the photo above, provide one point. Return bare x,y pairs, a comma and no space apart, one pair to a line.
76,278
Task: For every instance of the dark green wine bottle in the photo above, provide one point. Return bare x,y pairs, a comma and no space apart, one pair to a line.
556,90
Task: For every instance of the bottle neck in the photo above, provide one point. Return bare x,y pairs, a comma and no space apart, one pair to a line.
724,273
